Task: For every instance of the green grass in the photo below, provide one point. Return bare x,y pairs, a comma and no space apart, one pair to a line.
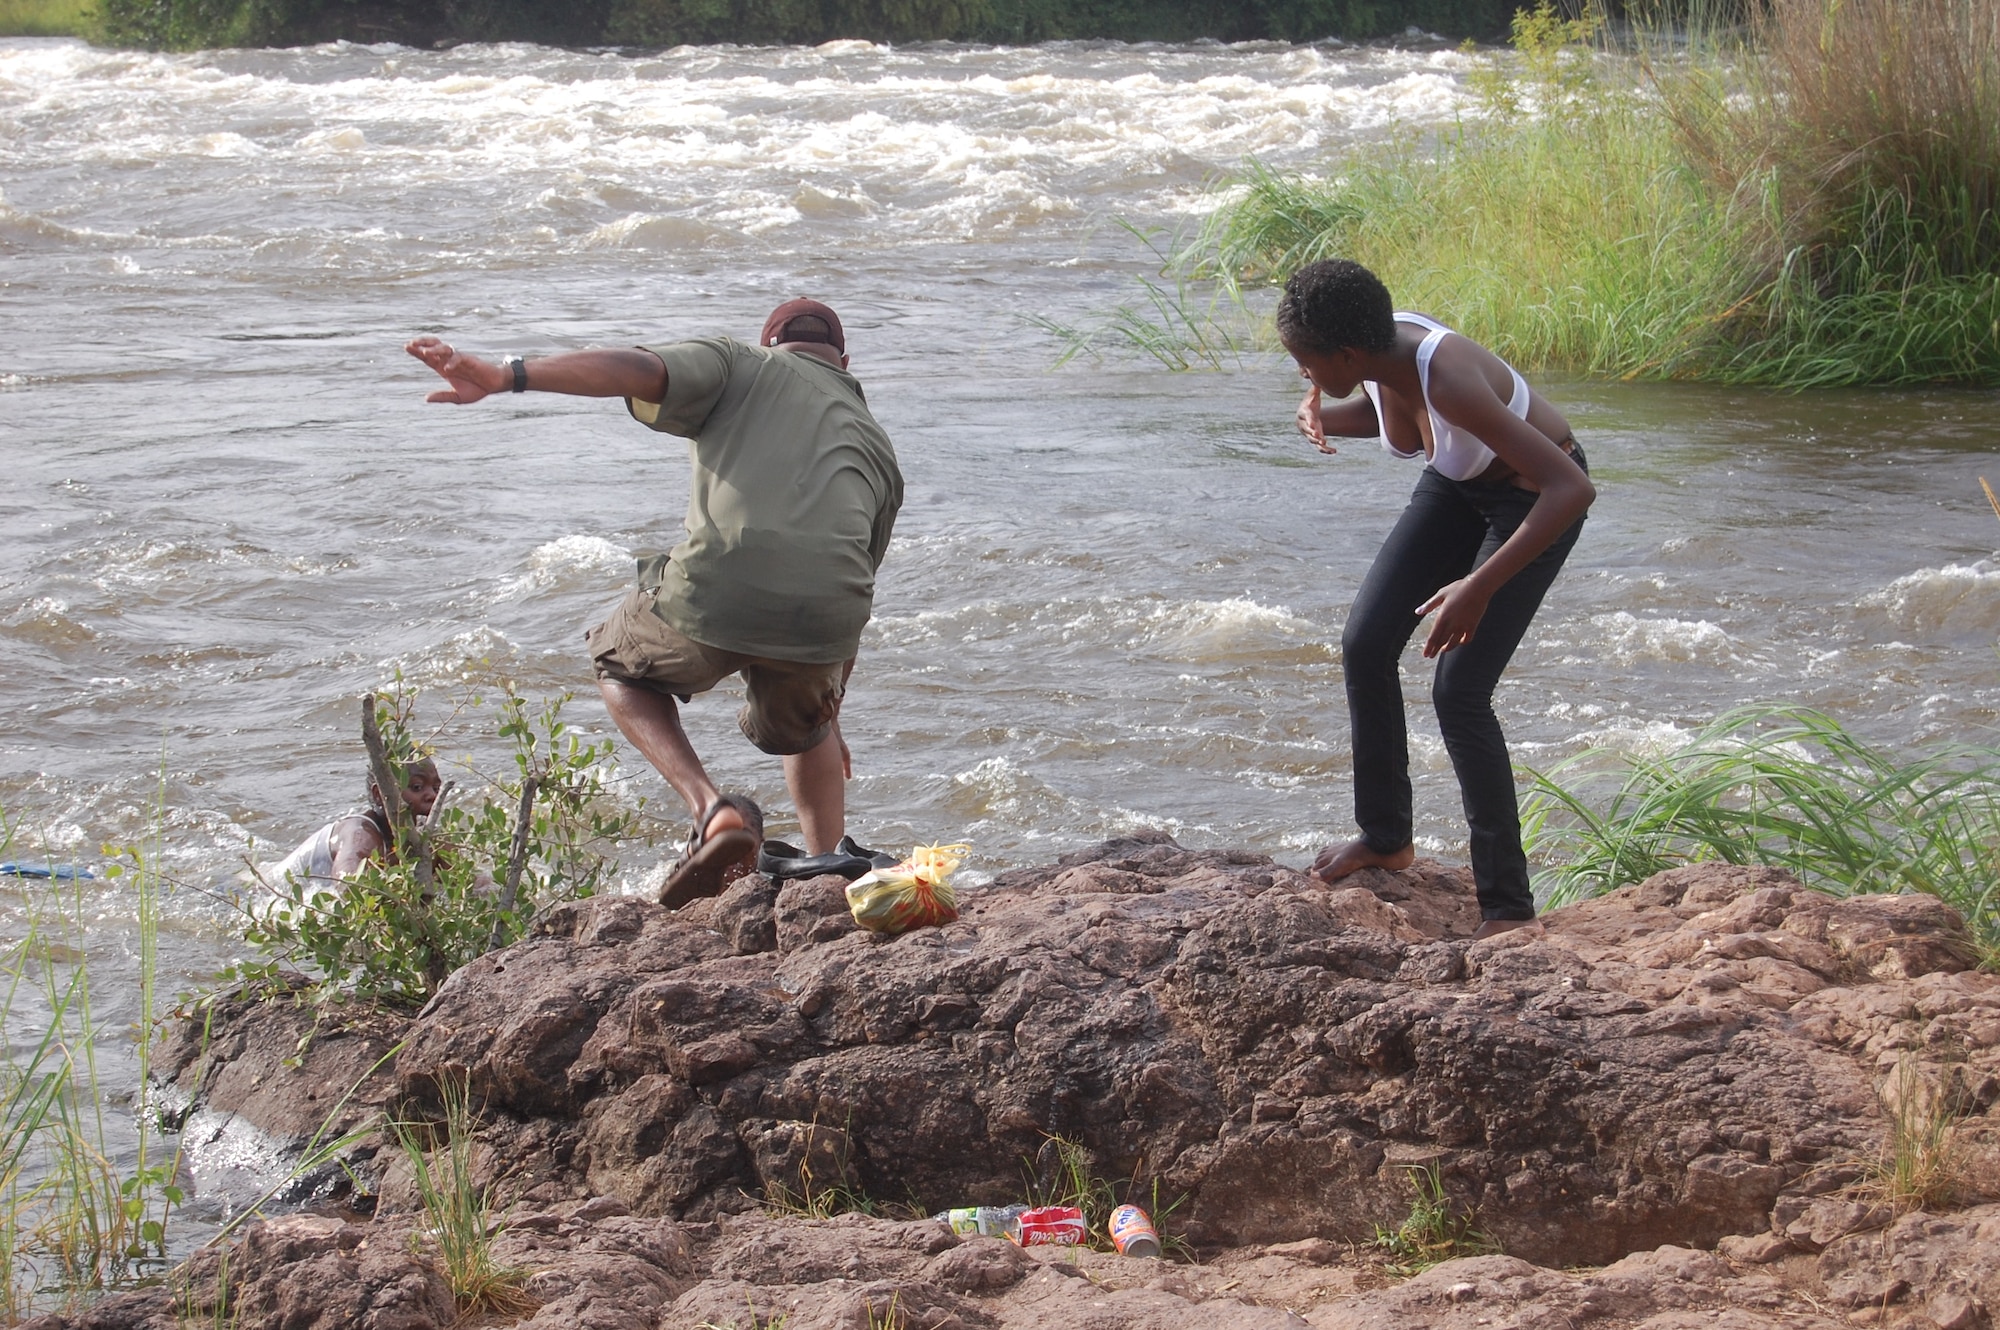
1786,787
1066,1174
74,1221
1435,1231
457,1225
1710,206
1922,1164
45,18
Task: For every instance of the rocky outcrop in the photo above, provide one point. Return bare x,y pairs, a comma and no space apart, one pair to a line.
1661,1065
1704,1061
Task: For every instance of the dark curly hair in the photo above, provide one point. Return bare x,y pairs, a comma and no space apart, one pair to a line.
1335,304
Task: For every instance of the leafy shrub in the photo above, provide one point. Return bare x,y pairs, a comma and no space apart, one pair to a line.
469,879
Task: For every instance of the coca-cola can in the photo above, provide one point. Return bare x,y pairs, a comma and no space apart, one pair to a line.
1132,1232
1050,1226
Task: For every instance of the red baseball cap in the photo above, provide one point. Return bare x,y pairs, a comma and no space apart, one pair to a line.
774,327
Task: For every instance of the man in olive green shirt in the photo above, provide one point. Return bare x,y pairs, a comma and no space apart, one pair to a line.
794,494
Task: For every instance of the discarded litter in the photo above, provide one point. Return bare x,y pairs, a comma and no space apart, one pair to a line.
916,893
989,1221
1049,1226
1132,1232
1131,1229
58,872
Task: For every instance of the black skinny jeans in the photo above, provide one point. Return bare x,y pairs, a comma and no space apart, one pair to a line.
1450,528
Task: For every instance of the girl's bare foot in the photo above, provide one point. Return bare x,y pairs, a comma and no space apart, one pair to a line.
1337,861
1495,927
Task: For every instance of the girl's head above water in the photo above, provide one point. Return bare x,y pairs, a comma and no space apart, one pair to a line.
421,784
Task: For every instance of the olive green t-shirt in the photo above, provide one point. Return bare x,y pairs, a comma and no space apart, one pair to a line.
794,495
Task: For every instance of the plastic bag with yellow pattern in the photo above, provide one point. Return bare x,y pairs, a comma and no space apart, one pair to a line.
916,893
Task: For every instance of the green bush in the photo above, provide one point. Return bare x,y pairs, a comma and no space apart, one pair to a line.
468,880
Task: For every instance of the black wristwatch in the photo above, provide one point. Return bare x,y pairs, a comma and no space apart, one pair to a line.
519,368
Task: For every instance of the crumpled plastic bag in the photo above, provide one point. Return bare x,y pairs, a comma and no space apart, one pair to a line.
914,894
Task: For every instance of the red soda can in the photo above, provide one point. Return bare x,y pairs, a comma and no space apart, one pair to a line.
1049,1225
1132,1232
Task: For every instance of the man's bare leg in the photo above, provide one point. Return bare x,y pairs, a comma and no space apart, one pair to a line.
817,779
652,721
1337,861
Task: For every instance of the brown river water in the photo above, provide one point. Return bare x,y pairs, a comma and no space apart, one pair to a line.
1115,595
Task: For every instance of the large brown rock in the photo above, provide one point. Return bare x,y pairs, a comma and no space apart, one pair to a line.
1659,1066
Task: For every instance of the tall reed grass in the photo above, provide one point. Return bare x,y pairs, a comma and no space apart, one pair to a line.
456,1217
1807,200
82,1208
1786,787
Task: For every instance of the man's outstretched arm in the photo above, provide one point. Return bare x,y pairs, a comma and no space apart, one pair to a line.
608,373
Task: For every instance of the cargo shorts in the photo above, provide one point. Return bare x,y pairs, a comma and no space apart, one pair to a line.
790,706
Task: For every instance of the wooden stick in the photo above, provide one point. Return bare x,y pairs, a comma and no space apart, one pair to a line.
516,860
388,787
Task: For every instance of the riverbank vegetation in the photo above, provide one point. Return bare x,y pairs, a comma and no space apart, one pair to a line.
85,1197
1807,198
1785,787
46,18
189,24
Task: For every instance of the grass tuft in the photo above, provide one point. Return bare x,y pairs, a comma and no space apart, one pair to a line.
73,1222
456,1222
1781,786
1436,1230
1066,1174
1922,1164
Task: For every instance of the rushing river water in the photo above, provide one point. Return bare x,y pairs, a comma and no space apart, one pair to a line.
1115,593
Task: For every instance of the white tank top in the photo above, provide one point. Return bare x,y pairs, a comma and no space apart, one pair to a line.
1456,454
311,865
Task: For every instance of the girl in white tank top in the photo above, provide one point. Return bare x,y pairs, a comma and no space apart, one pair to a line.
1490,523
1457,454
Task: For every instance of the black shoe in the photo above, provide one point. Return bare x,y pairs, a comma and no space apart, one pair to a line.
875,858
782,862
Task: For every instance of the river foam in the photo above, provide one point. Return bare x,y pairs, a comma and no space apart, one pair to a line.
968,142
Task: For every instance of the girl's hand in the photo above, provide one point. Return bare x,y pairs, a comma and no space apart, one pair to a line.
1310,424
1460,606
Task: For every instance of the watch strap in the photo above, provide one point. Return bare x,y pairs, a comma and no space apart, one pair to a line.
519,368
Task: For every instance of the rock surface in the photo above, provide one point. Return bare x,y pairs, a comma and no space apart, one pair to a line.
590,1267
1702,1059
1662,1065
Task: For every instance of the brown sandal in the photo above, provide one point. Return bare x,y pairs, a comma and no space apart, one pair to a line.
705,867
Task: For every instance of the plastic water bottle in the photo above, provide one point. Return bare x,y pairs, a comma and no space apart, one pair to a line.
987,1221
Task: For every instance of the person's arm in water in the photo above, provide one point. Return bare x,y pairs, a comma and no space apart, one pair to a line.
1352,417
606,373
1461,389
